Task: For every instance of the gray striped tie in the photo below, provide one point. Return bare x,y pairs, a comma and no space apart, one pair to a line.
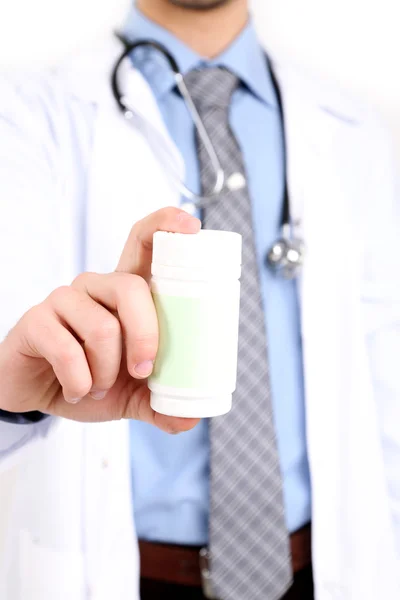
249,543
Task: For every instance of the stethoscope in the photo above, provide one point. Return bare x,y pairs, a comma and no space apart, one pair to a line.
286,254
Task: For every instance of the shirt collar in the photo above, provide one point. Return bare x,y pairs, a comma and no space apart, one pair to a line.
244,57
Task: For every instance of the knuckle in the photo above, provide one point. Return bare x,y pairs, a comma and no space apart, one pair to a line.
80,281
132,284
59,294
29,325
135,229
68,354
35,320
34,315
107,329
129,284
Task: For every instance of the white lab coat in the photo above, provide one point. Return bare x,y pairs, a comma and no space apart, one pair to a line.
74,178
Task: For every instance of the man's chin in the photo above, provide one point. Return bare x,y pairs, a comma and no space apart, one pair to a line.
199,4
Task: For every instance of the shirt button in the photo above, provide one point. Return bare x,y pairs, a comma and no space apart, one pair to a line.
235,182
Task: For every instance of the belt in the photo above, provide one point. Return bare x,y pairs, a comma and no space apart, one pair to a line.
188,565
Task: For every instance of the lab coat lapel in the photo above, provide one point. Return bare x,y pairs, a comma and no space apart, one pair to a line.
126,181
352,531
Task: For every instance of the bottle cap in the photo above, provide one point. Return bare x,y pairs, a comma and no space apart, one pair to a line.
207,250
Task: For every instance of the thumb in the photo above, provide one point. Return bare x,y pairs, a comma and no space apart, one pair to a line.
136,255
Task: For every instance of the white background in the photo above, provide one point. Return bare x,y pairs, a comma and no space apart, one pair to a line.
355,42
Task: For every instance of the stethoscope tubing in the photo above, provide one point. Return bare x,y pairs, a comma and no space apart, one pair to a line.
292,250
199,200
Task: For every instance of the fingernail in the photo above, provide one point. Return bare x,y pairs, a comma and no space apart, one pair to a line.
98,394
144,369
73,400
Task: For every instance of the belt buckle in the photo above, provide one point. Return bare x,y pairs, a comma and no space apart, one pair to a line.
204,561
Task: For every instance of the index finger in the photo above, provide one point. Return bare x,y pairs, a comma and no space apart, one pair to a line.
136,255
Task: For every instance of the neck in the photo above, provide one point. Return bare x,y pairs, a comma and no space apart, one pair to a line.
208,32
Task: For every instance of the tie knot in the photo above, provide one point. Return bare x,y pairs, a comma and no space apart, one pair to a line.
211,87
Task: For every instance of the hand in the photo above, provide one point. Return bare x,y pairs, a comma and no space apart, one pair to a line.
86,351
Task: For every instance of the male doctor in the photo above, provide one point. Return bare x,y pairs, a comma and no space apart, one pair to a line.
314,435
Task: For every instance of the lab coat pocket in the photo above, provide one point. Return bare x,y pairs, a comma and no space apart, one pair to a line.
49,573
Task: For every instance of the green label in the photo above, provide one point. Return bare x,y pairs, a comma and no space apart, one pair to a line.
198,339
183,341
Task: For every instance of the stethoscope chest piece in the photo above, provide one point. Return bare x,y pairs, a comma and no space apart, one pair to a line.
286,257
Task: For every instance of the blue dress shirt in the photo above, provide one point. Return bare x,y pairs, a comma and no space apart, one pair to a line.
170,473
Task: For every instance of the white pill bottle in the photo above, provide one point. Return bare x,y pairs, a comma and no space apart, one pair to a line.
196,291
